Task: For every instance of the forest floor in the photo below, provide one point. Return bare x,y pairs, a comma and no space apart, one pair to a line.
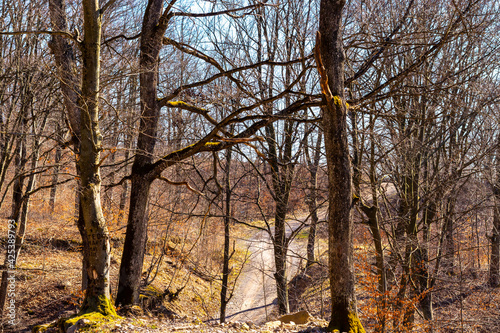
48,284
48,287
254,297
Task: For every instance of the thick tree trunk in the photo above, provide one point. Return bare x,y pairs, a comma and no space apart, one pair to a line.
330,60
135,242
153,28
97,296
82,113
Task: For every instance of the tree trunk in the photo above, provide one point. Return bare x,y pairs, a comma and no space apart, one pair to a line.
424,278
312,205
66,63
128,144
82,113
372,213
494,274
312,200
97,297
494,278
135,242
280,252
55,177
330,61
227,238
447,262
21,196
153,28
281,178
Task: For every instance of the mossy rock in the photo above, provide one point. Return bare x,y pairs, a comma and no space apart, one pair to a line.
88,320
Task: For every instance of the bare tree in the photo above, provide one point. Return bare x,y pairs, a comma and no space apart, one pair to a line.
330,59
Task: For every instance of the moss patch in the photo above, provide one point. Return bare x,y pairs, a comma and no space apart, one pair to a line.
338,102
43,328
354,325
96,310
100,304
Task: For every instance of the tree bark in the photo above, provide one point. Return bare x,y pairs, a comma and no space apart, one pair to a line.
494,274
330,61
494,271
97,296
448,260
55,177
227,237
128,144
312,200
153,28
66,63
64,55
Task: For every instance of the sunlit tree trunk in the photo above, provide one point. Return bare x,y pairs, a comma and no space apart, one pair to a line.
97,296
494,278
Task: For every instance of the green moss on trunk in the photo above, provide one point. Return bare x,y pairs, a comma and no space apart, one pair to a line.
100,304
96,310
353,322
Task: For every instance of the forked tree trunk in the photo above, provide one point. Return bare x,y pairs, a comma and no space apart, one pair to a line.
84,122
330,61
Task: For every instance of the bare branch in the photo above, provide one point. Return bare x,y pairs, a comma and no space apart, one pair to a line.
180,184
41,32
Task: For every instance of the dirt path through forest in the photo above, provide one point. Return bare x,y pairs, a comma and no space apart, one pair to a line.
255,294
